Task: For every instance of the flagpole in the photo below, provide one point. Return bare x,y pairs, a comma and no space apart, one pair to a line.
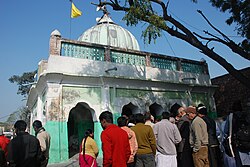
70,19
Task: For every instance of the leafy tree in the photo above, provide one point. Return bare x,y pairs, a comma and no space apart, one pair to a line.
137,11
24,82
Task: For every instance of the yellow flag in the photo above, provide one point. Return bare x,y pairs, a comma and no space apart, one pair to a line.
74,11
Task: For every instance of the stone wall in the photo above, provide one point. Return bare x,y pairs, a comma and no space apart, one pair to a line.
229,91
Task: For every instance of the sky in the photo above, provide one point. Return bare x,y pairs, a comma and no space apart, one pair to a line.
25,28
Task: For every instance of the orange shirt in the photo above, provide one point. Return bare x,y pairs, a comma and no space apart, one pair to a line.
132,142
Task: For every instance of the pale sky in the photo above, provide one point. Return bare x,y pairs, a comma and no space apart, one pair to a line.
25,28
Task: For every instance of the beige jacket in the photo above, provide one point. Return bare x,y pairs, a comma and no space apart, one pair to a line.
198,134
44,139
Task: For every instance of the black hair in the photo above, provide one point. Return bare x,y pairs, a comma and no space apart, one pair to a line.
139,118
165,115
20,125
87,134
131,119
37,124
108,116
122,121
201,109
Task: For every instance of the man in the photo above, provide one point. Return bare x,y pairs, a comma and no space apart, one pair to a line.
123,122
115,142
198,138
239,122
4,141
146,143
214,154
184,151
167,136
149,119
23,150
44,139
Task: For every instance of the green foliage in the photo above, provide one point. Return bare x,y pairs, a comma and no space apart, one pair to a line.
240,14
151,32
24,82
132,16
142,11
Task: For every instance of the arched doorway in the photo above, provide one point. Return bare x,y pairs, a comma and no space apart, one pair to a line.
80,119
156,110
130,109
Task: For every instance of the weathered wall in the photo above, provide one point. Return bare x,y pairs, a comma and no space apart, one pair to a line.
229,91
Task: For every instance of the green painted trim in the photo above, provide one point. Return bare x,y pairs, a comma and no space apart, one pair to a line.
83,52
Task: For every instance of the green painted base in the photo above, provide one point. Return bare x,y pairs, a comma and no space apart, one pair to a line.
59,141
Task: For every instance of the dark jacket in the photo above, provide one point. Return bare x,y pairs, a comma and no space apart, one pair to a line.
24,151
184,128
211,129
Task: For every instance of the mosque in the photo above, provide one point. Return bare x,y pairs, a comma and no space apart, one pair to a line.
104,69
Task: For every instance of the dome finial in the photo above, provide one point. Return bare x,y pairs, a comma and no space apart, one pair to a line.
101,7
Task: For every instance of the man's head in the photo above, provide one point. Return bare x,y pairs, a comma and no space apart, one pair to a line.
106,118
139,118
174,109
201,110
37,125
191,112
122,121
165,115
20,126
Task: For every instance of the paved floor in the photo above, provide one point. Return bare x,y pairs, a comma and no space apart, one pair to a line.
72,162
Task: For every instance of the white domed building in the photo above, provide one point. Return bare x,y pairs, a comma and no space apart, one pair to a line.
105,70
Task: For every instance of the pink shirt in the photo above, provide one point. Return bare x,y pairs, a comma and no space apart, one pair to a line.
132,142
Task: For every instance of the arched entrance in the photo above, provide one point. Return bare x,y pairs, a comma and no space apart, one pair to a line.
156,110
80,119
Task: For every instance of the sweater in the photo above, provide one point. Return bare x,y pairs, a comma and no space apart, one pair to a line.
115,147
167,135
198,134
145,139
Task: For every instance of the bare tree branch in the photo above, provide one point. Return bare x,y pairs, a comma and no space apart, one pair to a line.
229,43
222,34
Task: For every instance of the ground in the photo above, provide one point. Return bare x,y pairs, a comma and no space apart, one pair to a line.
72,162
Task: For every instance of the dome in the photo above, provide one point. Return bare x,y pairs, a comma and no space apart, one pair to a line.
106,32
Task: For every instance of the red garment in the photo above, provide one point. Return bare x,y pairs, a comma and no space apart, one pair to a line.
115,147
91,162
4,141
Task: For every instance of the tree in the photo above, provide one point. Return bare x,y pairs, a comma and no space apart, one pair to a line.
240,14
137,11
24,82
22,113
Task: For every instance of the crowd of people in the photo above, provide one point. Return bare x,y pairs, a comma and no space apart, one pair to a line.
181,137
25,150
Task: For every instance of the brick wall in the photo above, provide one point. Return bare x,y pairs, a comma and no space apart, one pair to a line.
229,91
